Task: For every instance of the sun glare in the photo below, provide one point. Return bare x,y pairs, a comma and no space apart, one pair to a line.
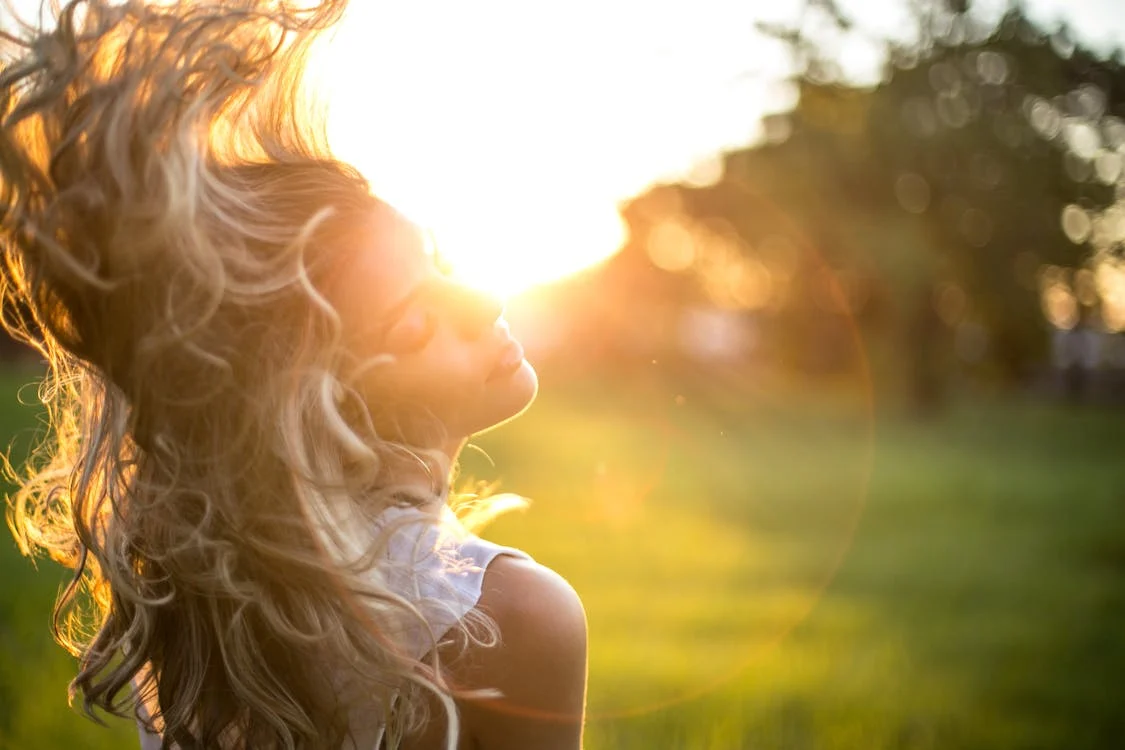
495,231
513,148
509,210
522,244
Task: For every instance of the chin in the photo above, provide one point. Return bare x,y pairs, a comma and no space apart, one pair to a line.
509,397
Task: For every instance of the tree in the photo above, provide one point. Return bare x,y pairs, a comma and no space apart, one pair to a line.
985,156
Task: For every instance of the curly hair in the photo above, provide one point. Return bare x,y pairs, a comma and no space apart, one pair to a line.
170,218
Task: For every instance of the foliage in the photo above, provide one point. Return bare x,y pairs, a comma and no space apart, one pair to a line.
937,194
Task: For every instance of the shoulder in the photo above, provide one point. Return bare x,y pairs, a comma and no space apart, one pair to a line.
538,666
530,601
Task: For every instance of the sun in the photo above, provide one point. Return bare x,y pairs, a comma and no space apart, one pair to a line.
509,209
500,238
502,226
522,241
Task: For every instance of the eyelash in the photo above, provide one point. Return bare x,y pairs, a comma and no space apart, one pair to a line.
414,341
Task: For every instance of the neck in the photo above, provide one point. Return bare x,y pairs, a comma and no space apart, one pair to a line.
407,472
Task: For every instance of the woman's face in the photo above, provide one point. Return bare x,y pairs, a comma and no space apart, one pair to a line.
454,360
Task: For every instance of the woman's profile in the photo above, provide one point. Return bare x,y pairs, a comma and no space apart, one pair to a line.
258,383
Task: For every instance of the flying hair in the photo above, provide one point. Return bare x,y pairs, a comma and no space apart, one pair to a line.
169,215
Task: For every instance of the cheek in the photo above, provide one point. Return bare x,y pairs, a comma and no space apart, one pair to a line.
443,382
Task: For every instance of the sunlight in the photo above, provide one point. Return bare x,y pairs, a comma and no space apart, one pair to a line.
498,221
512,149
498,230
523,246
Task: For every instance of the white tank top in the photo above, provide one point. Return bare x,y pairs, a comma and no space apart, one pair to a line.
437,567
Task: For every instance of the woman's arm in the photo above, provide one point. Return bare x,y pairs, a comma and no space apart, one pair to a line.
539,665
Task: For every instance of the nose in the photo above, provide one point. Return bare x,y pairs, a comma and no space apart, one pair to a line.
474,311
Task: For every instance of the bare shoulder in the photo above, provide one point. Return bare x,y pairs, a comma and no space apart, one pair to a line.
531,601
539,666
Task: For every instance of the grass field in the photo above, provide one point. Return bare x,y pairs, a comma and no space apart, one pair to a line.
760,572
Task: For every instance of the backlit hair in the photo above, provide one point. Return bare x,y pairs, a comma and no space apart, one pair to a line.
170,214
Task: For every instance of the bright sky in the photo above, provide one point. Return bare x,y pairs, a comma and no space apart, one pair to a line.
515,128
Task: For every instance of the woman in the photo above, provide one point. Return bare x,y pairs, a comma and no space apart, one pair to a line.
258,385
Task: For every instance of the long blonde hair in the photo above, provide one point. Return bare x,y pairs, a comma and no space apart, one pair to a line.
169,214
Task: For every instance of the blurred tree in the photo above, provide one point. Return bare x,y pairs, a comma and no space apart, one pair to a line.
986,137
935,197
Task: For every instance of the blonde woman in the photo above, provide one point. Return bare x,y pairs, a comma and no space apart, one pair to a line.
258,384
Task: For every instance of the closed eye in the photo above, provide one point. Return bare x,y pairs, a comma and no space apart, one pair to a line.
411,332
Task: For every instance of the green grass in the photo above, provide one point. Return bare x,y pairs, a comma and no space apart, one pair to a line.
760,572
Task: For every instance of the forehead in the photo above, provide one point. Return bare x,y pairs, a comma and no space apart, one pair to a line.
382,262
